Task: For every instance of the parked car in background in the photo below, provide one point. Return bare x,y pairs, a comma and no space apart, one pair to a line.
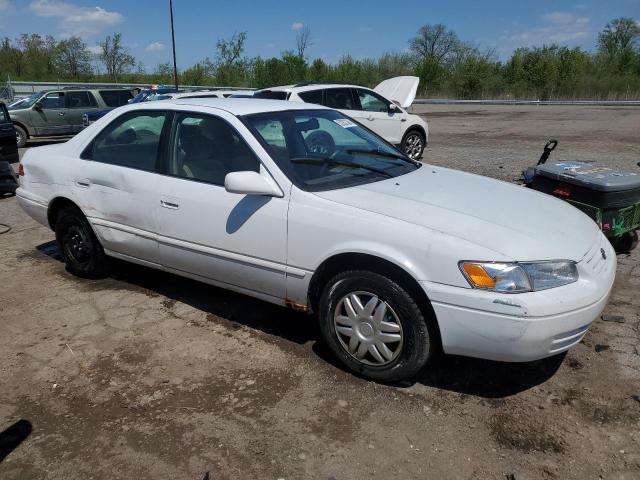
59,112
166,93
382,109
145,95
8,152
397,258
8,140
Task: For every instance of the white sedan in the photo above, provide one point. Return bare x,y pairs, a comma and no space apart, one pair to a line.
300,206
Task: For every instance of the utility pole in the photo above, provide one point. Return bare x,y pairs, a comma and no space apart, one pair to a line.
173,41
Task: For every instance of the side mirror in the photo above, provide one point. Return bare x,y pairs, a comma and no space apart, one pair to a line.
37,106
393,108
250,183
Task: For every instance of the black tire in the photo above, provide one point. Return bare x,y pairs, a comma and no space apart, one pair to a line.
625,243
82,253
418,337
412,150
21,136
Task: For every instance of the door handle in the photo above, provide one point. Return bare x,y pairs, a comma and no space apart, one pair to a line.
370,118
169,205
83,183
61,114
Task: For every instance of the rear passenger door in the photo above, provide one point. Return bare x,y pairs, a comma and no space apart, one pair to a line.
117,184
78,103
342,99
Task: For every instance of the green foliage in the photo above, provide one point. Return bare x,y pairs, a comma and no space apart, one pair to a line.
446,66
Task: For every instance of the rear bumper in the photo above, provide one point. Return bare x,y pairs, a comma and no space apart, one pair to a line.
36,208
528,326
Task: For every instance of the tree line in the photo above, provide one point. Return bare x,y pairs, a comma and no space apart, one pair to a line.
446,65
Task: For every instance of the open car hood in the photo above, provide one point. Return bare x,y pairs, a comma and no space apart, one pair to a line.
399,89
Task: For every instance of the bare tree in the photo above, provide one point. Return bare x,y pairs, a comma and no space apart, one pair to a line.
115,56
303,40
435,44
230,51
72,59
229,62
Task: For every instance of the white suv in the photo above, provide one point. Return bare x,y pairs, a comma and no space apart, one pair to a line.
387,118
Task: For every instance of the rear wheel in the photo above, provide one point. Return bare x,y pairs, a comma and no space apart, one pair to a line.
83,255
21,136
413,144
374,327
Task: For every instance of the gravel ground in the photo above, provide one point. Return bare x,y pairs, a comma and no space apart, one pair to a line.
147,375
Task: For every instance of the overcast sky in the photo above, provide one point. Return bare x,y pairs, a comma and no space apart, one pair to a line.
359,28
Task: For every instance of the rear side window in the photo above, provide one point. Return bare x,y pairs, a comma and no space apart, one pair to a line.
115,98
80,100
53,100
131,140
312,96
272,95
340,98
206,148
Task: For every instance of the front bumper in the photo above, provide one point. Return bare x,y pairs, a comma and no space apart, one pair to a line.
528,326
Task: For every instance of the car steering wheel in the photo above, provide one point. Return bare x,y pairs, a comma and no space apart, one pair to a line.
321,143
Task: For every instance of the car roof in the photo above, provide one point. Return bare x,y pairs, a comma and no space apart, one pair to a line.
235,106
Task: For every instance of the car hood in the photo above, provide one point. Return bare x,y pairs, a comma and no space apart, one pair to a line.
400,89
515,222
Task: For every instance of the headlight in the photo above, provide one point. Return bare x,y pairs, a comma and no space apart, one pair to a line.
519,277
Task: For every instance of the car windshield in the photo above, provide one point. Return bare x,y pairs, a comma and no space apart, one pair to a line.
324,150
25,102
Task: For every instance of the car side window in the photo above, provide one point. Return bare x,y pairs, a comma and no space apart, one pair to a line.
115,98
78,100
370,102
205,148
4,117
131,140
312,96
339,98
53,100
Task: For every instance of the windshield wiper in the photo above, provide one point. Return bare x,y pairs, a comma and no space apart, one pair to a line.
380,153
342,163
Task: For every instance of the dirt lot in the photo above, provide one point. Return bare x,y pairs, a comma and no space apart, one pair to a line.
147,375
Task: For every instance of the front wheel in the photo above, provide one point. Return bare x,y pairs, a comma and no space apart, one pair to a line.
625,243
413,144
83,255
374,327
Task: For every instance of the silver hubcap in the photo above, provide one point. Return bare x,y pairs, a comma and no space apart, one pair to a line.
18,137
413,146
368,328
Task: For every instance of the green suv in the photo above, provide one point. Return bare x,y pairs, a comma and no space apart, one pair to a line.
59,112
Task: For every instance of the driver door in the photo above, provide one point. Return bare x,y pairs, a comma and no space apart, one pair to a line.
374,113
51,118
237,241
